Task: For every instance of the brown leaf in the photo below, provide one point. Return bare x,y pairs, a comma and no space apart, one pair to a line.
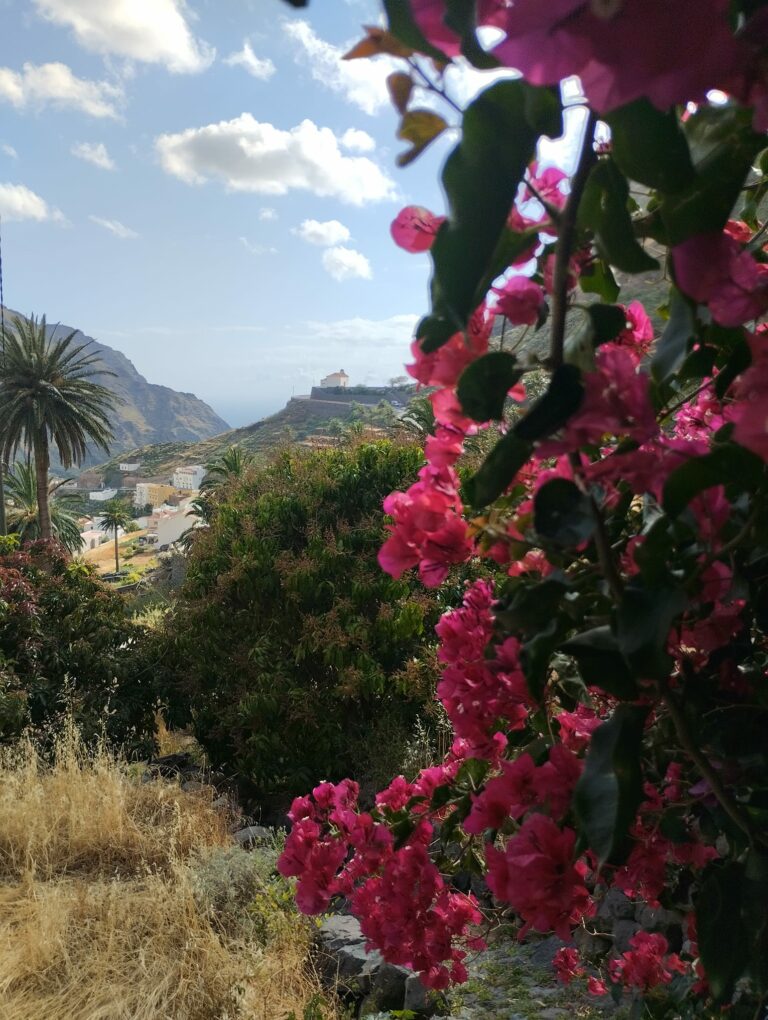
400,86
419,127
377,40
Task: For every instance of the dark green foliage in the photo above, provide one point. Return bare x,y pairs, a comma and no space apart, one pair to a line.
66,644
293,652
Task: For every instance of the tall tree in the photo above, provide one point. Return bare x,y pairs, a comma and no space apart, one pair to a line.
115,516
48,397
23,516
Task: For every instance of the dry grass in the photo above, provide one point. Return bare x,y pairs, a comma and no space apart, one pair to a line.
101,911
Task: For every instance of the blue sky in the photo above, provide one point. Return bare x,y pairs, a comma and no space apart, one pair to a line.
161,166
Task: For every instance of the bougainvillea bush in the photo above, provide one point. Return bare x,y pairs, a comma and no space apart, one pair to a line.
608,691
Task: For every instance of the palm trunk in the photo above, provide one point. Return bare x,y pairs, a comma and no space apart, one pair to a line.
117,554
42,463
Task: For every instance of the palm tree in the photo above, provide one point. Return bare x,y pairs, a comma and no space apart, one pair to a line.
115,516
23,514
47,396
233,463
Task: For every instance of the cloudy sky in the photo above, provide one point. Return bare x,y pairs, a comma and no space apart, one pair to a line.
204,186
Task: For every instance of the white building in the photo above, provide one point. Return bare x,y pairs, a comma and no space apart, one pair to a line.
168,524
128,469
339,378
92,538
102,495
190,478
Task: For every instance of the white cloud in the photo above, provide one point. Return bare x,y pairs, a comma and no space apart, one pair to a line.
43,84
115,227
267,213
10,151
361,82
368,335
249,155
257,249
357,141
323,234
94,152
18,202
150,31
258,67
346,264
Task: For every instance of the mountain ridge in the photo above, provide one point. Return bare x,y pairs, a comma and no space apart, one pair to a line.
147,413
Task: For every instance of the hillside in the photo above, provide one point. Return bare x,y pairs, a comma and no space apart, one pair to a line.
301,418
146,413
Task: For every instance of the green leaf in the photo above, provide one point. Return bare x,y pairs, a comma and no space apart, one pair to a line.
500,131
611,786
755,915
562,513
644,619
601,663
723,940
401,23
607,322
738,361
649,146
674,341
483,386
535,657
532,606
553,409
461,16
420,128
604,210
722,145
727,464
498,470
598,278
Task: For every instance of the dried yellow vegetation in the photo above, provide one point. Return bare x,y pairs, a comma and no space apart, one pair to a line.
123,900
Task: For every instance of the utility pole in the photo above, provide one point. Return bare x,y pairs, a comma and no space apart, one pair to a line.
3,526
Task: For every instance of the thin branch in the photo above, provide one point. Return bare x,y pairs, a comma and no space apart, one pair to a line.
565,239
706,770
432,87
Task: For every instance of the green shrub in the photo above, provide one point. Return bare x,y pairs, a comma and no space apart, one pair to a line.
67,646
295,655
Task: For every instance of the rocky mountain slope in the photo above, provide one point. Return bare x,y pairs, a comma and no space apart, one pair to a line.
146,413
300,419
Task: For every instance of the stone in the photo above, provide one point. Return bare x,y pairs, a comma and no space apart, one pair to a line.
344,946
192,786
622,933
616,906
417,997
387,982
251,835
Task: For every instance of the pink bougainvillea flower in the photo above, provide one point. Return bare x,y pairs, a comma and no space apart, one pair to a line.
536,874
520,300
625,52
716,271
546,184
567,964
415,228
429,15
638,334
507,796
647,964
750,411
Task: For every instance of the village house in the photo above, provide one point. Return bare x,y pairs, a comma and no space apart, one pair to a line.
152,493
335,379
189,477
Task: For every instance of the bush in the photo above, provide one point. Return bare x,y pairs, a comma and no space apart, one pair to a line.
66,645
288,646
